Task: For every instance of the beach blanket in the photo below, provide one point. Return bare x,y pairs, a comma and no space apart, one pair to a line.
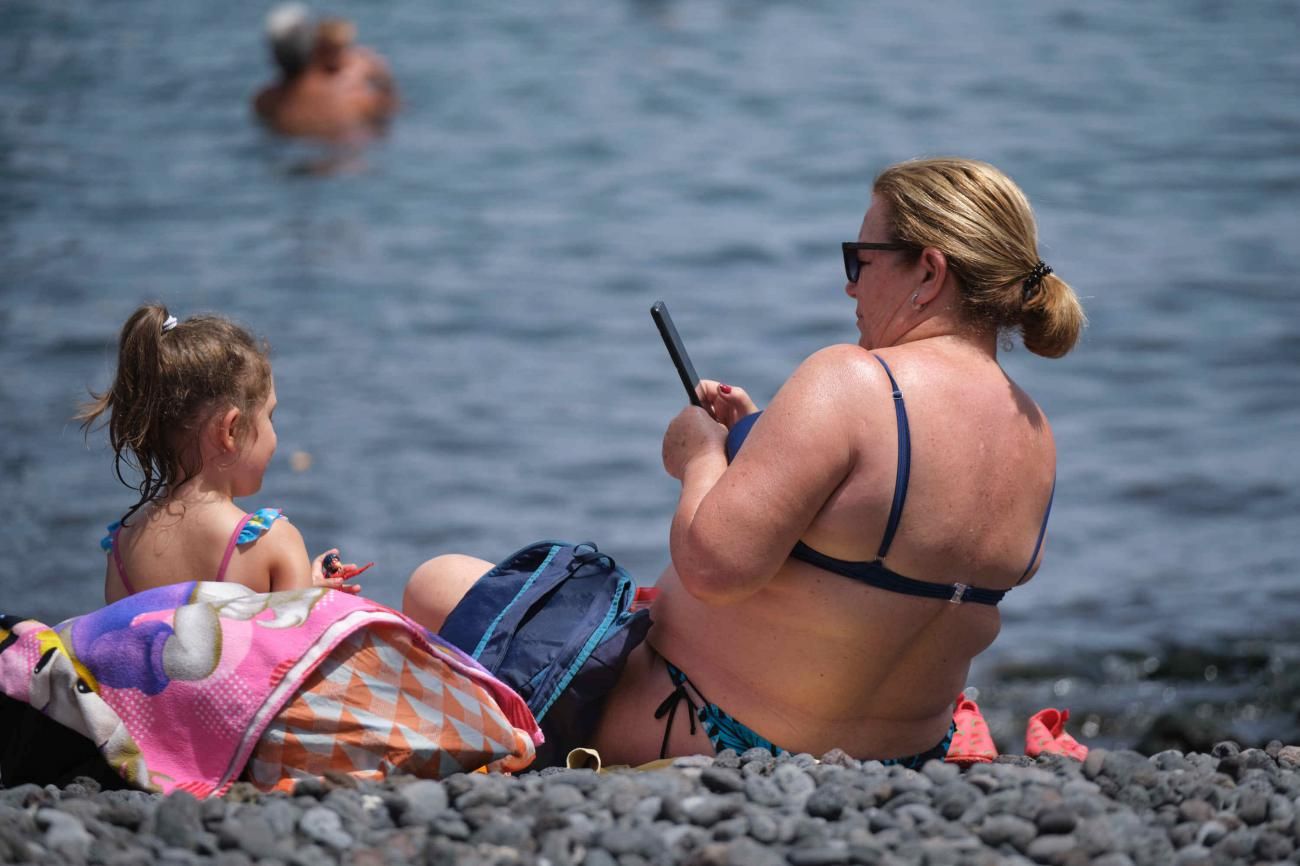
178,686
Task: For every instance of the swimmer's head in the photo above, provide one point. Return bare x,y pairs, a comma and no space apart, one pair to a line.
333,37
289,30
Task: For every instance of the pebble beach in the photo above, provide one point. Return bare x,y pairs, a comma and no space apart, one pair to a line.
1225,806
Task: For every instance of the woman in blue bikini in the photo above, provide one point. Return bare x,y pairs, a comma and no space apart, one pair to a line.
832,580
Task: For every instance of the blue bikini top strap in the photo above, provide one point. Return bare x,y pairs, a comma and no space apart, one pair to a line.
1038,545
904,463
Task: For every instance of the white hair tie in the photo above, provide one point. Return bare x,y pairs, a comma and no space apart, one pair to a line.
169,324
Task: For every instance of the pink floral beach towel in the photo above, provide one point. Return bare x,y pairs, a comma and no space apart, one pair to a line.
177,685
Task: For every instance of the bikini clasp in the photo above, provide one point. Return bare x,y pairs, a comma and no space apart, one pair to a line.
958,593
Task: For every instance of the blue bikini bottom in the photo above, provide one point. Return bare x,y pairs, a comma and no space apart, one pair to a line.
726,732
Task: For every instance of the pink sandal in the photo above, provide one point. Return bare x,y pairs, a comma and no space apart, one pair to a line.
1046,734
971,742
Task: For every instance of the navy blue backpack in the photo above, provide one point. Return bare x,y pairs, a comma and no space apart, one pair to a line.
554,622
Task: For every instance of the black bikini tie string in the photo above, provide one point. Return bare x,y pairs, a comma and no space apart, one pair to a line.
668,707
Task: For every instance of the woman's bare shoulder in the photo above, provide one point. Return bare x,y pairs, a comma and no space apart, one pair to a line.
836,365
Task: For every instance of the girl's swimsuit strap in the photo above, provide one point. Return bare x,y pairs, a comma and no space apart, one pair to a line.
117,560
230,548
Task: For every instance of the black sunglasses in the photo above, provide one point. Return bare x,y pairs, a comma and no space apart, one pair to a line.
853,267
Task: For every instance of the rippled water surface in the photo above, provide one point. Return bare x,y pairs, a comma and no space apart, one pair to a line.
459,317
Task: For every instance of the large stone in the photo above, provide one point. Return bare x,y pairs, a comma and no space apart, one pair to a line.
1007,829
324,826
176,820
65,835
1056,850
426,798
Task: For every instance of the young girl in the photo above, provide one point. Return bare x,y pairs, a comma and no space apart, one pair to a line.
191,408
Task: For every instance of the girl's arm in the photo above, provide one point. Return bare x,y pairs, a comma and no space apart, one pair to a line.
290,567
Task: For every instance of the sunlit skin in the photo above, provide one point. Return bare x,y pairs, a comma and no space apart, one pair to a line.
346,93
184,536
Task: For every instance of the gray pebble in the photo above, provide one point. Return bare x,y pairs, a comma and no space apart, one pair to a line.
1258,759
176,820
1056,820
731,828
840,758
311,786
916,815
727,758
683,837
1224,749
881,819
819,855
722,780
760,758
1252,806
1238,844
324,826
747,852
1007,829
1093,763
828,801
807,831
1128,768
1051,849
251,832
796,783
1210,833
488,790
505,831
1183,835
763,791
64,835
1097,835
953,798
1171,759
1195,810
1274,846
424,799
562,798
705,810
1288,757
648,809
1194,855
1136,796
1281,812
280,814
762,826
595,857
940,772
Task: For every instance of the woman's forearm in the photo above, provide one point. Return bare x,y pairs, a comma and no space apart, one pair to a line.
698,544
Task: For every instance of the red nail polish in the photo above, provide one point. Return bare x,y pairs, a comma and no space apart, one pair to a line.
724,388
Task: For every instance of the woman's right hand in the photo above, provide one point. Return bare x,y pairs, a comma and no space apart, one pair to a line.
726,403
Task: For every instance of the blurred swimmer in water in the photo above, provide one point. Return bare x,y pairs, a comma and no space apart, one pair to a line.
289,36
341,92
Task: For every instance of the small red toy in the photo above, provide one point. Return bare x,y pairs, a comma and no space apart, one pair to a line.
333,567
